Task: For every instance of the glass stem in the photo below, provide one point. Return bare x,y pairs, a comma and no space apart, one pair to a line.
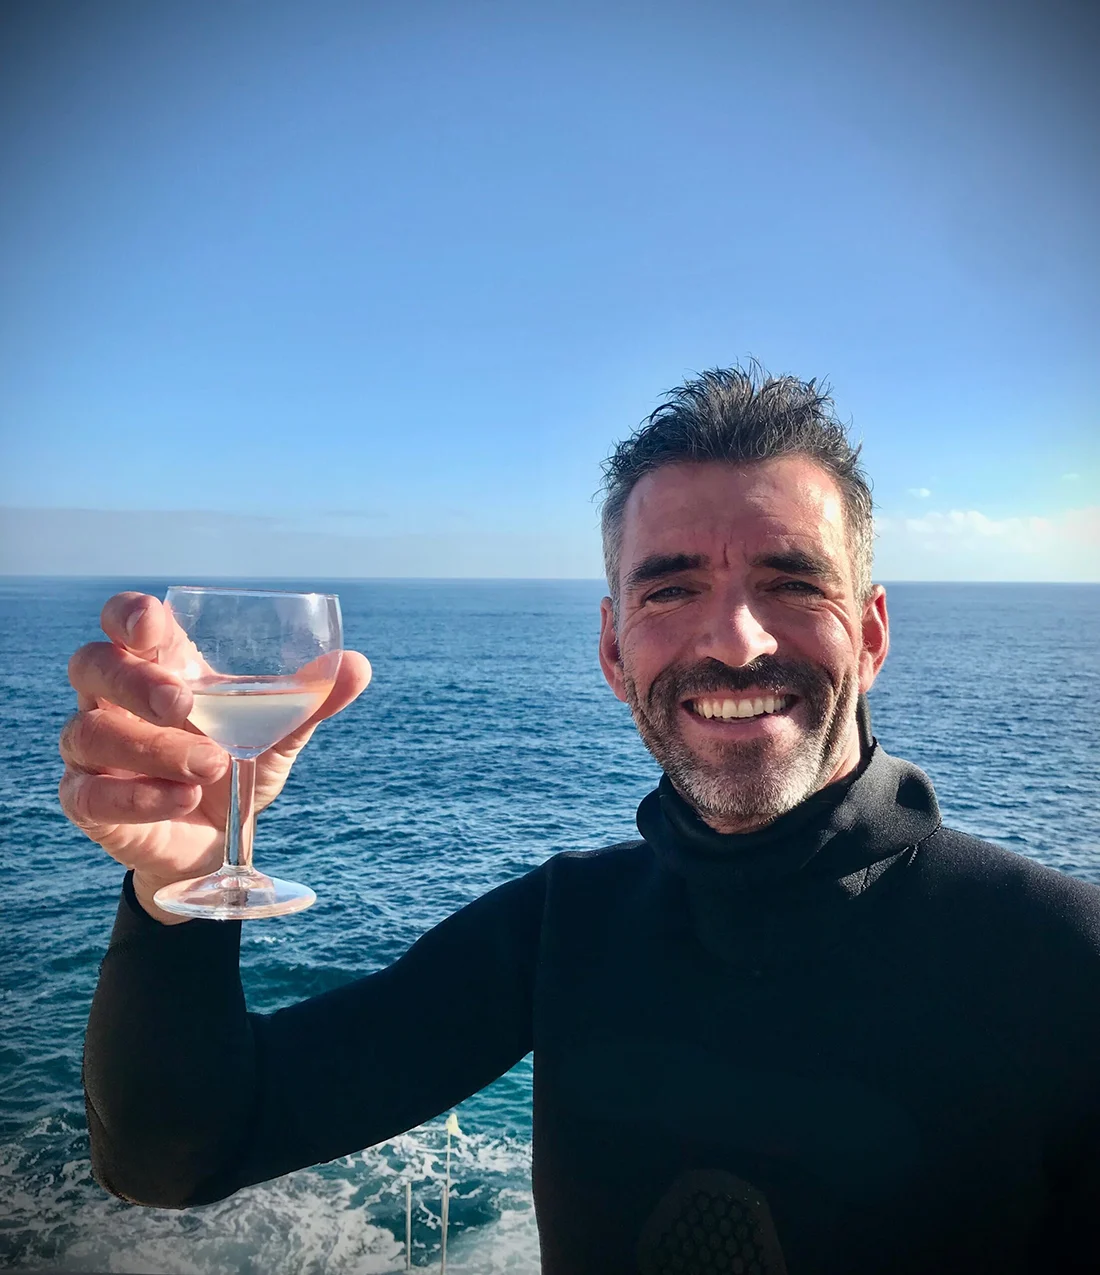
242,816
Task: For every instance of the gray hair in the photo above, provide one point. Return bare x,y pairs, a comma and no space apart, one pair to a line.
741,416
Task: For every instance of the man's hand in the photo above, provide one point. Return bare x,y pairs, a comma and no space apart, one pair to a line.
139,779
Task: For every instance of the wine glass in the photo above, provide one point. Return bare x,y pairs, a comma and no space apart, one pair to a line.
259,663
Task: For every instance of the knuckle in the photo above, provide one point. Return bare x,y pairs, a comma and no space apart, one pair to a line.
82,737
94,736
63,795
66,741
76,666
73,794
86,664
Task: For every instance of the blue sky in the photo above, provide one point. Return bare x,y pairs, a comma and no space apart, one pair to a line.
372,288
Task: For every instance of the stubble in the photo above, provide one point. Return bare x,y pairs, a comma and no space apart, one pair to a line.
751,782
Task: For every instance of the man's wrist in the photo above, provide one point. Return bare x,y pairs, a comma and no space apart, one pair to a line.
144,889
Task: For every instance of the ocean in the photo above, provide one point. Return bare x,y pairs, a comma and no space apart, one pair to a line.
487,742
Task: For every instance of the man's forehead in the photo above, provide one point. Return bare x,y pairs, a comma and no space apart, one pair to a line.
788,498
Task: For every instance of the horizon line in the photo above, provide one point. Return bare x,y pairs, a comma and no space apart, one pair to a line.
132,575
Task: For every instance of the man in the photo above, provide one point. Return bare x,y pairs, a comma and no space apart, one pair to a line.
799,1027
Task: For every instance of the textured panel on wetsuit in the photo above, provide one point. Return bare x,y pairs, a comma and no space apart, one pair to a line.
710,1221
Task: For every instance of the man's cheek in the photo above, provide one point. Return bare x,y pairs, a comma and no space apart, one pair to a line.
650,651
640,662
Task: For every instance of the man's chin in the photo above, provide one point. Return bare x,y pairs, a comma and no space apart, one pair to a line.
740,784
755,796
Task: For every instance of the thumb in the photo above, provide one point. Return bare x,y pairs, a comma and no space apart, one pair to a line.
352,679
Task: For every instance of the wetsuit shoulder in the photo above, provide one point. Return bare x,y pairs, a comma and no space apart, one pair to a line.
605,878
622,852
1034,917
953,859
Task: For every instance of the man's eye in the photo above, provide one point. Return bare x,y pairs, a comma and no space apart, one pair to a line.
668,594
798,586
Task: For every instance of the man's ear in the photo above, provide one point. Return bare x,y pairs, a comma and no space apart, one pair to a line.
610,658
875,637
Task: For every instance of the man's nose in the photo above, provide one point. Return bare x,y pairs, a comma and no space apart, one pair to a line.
736,636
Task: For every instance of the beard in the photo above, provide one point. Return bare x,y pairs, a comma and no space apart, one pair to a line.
751,782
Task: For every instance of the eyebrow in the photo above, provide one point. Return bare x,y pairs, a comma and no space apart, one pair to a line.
797,562
659,565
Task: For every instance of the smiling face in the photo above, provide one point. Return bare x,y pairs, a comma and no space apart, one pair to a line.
740,644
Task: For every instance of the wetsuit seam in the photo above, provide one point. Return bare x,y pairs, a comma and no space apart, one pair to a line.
916,845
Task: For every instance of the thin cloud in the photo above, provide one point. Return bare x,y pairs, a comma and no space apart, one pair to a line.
922,493
1071,478
153,543
1026,531
966,544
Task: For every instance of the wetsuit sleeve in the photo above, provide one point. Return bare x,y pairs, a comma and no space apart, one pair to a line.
190,1098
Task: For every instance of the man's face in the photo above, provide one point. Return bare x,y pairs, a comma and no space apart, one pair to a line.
740,645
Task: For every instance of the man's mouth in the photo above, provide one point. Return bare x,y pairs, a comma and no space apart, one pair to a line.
725,707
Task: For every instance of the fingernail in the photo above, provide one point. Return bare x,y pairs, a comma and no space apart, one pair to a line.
205,762
135,619
164,700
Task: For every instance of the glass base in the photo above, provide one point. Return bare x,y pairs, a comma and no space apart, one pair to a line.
234,895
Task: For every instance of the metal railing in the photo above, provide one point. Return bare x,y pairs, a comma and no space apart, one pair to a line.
445,1208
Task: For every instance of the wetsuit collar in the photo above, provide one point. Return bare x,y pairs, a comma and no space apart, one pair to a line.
886,806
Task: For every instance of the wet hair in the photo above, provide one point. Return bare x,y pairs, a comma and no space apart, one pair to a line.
741,416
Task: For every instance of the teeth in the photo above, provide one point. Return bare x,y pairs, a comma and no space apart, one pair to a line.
729,708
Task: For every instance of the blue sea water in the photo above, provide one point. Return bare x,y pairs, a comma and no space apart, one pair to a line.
487,742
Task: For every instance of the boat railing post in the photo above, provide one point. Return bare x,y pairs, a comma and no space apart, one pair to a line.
452,1127
408,1225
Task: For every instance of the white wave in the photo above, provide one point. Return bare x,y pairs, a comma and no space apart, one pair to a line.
510,1247
342,1219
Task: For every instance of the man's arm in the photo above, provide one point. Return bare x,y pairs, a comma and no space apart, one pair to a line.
190,1098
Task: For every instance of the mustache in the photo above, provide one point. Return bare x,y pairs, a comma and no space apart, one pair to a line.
710,677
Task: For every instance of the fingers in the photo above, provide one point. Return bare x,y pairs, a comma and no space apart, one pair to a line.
92,801
102,740
145,636
102,670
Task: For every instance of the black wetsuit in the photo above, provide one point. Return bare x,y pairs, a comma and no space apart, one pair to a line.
854,1042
